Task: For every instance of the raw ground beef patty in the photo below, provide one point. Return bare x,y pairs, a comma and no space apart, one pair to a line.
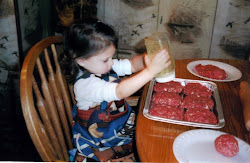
227,145
171,86
197,89
166,111
200,116
211,71
193,101
167,98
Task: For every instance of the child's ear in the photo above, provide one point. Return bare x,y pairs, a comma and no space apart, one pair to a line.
80,61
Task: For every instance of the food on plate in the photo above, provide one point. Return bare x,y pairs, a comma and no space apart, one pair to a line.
244,97
197,89
200,116
211,71
167,98
171,86
227,145
166,111
193,101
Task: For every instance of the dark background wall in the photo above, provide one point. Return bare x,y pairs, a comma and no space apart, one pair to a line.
25,22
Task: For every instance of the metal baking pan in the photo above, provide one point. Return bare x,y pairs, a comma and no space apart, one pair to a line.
217,109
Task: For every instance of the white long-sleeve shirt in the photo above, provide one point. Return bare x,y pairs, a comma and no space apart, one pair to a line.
92,91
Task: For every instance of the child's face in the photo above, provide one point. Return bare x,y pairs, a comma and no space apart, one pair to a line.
100,63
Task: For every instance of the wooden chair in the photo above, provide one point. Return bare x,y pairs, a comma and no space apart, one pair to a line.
47,101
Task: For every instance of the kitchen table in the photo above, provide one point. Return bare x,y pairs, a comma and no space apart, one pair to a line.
154,139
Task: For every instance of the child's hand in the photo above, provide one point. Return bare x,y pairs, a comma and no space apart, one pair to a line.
159,62
130,85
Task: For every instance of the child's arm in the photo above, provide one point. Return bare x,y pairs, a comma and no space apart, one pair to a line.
130,85
137,63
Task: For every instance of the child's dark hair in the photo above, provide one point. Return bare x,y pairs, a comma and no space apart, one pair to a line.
83,39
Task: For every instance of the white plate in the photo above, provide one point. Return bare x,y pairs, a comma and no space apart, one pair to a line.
198,146
232,72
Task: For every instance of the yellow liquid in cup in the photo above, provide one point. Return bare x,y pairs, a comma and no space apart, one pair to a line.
154,44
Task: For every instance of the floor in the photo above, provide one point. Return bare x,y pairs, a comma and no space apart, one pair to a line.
16,144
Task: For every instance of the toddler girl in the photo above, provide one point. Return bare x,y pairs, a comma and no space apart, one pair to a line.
102,118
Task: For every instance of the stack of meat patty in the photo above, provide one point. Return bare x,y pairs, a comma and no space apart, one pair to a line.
191,102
